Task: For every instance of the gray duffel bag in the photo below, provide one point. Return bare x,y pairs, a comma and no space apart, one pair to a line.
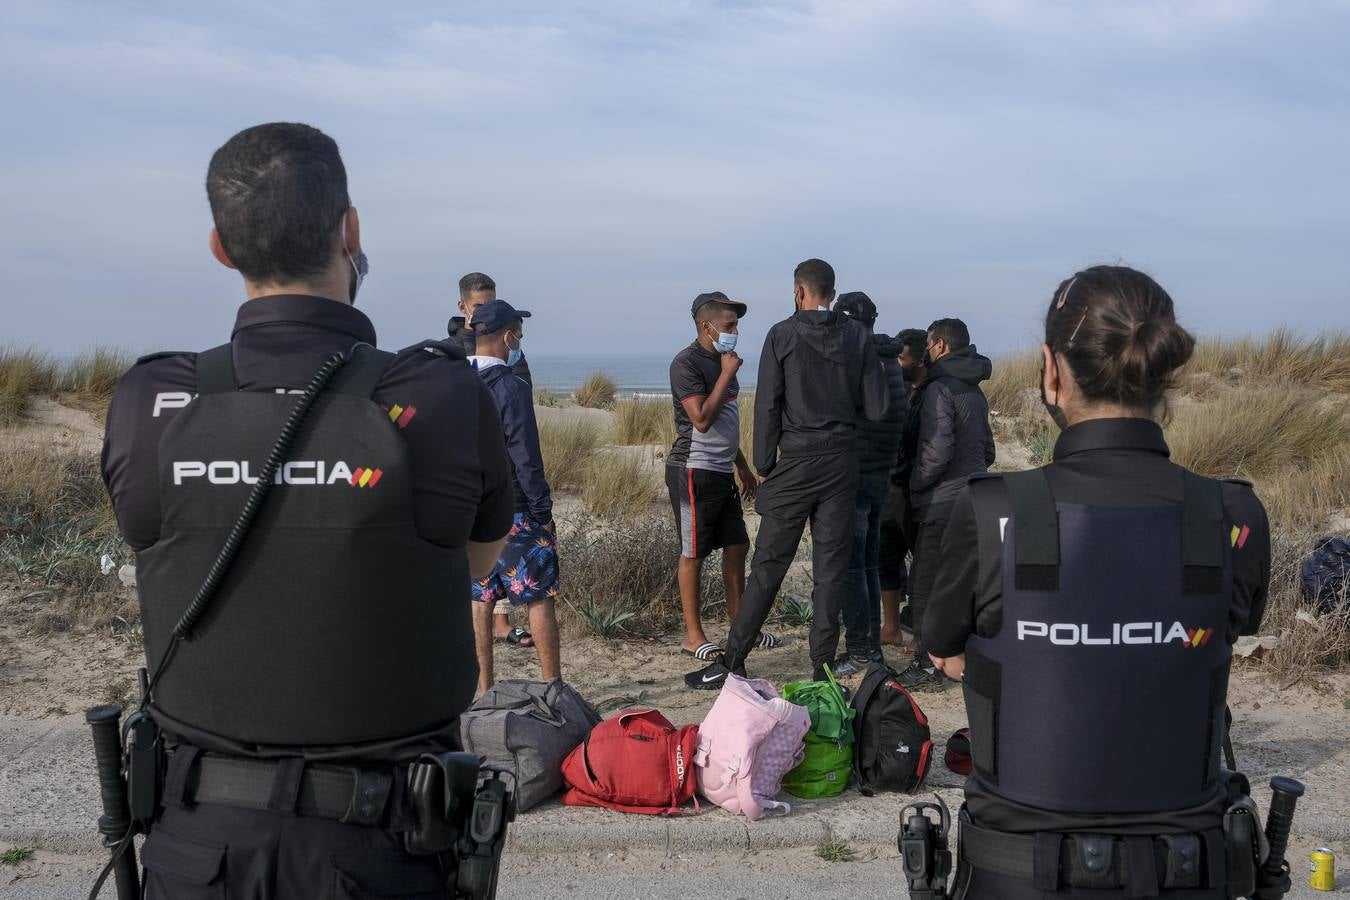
528,727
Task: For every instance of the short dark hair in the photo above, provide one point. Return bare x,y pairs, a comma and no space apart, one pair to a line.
916,339
473,282
709,311
277,194
1117,328
951,331
816,275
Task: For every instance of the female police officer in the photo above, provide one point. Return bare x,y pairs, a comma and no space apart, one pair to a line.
1090,607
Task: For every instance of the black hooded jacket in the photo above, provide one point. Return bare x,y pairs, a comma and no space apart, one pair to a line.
464,337
955,440
881,437
819,378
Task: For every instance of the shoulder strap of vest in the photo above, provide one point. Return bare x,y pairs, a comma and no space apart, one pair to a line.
1036,529
1201,535
360,376
215,371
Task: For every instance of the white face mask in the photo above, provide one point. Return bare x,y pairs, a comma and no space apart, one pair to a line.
725,343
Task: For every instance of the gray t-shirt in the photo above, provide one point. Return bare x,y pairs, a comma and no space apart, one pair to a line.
694,373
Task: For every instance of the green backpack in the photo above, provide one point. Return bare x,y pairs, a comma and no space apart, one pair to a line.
825,770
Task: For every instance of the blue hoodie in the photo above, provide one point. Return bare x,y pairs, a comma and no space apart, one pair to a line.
516,406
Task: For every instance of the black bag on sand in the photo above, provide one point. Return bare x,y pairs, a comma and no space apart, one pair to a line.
528,727
1324,577
892,745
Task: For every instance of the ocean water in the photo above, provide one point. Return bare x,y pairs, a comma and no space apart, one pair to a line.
648,374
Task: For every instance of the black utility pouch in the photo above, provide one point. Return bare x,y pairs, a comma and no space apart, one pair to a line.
441,787
144,760
1242,836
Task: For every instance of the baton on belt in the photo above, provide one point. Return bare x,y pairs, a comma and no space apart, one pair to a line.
115,824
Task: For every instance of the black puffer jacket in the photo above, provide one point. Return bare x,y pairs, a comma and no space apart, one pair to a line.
955,440
818,379
881,437
455,328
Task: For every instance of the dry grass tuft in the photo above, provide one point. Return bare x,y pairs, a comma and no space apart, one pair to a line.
640,420
95,374
567,447
1013,383
1322,361
1256,431
23,372
596,392
55,525
1309,643
746,404
619,577
619,485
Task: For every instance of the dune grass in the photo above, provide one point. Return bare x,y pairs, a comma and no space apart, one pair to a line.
1013,386
618,485
596,392
1256,430
96,373
643,420
23,373
567,447
1321,361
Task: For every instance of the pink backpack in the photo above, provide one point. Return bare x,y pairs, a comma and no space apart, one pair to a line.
749,741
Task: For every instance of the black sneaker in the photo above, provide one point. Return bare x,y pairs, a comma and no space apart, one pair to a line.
712,676
848,666
919,677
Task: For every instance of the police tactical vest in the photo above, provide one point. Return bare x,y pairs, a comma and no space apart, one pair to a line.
337,624
1104,689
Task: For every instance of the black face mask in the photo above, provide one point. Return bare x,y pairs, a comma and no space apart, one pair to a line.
1056,413
907,373
360,266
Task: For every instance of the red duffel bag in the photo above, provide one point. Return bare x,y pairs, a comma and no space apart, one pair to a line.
636,762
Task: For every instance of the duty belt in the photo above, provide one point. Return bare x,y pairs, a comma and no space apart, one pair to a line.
1138,865
349,794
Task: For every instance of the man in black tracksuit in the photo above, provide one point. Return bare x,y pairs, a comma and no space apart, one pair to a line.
818,378
897,519
475,289
879,443
955,442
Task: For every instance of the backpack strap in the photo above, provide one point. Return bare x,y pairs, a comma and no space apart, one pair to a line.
215,371
876,676
1201,535
360,376
1036,529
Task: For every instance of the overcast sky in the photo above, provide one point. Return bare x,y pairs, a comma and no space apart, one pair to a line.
607,161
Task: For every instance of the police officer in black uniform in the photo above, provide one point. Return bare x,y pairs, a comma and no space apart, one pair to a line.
338,647
1090,608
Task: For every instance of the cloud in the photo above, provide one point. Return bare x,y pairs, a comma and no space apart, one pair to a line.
955,156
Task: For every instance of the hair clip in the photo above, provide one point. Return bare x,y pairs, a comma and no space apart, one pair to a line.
1064,294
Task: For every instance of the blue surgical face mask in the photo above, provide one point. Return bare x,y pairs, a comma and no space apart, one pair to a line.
513,354
725,343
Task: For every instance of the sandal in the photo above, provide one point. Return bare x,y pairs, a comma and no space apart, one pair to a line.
517,636
768,641
705,652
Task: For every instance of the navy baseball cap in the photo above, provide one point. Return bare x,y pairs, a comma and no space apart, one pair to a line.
495,315
703,300
857,305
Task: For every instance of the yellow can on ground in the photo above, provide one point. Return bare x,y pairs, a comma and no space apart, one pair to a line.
1322,870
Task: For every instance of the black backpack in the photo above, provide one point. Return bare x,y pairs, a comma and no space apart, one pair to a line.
892,746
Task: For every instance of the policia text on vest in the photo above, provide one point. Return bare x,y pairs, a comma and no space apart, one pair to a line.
453,813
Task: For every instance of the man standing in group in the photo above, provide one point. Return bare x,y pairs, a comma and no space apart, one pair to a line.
897,520
955,442
699,469
818,376
337,651
527,572
475,289
880,440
